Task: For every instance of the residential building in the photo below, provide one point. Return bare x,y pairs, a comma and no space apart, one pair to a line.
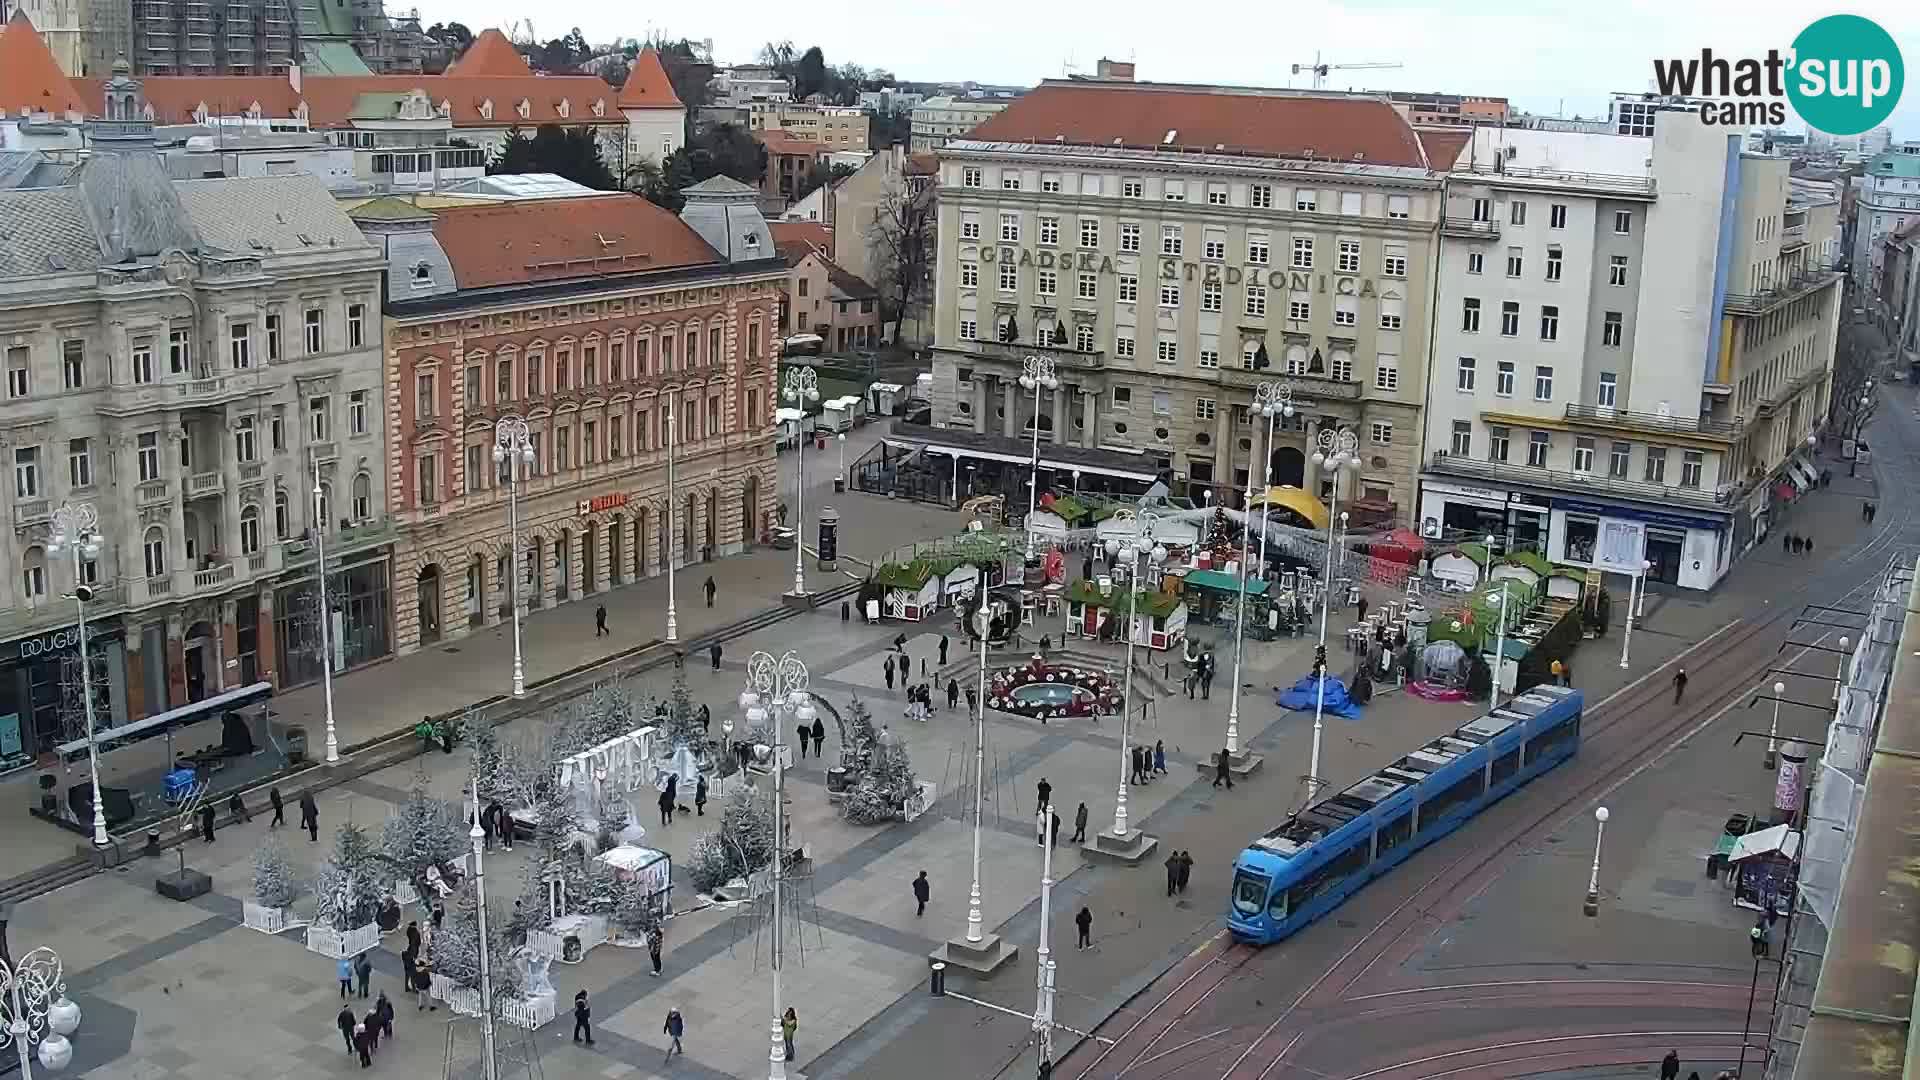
229,37
790,160
656,118
891,100
1635,114
189,358
1633,335
621,334
1887,199
1163,244
835,127
1899,291
1450,110
862,204
939,120
738,87
827,301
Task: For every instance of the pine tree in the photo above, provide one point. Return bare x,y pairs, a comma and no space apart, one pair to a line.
742,844
455,951
274,883
424,832
683,716
487,760
633,912
861,735
349,888
881,794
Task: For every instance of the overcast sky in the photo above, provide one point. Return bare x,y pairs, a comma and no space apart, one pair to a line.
1539,53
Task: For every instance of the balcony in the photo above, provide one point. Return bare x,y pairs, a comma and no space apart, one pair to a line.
1793,237
212,576
1475,468
1789,392
1801,284
31,512
1610,183
151,492
251,471
201,485
1014,352
1656,423
176,392
21,621
1307,387
367,534
1462,228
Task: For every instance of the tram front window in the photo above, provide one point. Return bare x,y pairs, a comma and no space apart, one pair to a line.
1277,910
1249,894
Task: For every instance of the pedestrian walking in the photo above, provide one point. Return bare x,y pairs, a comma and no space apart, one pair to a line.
346,1024
1084,922
279,808
700,796
383,1009
789,1025
1679,685
371,1022
1133,764
666,808
1173,872
656,940
713,655
413,938
1053,829
805,732
423,984
973,699
711,589
943,650
1206,679
1043,794
1786,543
600,621
1080,824
674,1028
206,824
1186,870
309,816
922,891
706,720
953,694
1160,757
582,1018
238,808
363,1045
343,970
1222,774
819,735
1670,1066
363,970
888,665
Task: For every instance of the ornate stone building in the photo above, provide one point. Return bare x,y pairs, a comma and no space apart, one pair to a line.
616,331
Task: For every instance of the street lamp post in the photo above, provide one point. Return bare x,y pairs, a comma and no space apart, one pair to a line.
1037,373
38,1011
1592,907
1043,956
1772,760
802,386
1338,448
1840,675
982,622
76,530
326,616
1500,643
1273,400
1636,593
513,447
478,836
673,510
780,683
1137,553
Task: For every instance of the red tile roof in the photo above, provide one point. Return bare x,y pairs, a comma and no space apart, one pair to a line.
516,243
1151,116
921,165
1444,145
491,54
781,141
174,98
330,98
809,233
30,80
647,85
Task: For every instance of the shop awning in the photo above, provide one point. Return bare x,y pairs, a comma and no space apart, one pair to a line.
185,714
1784,492
1809,476
1781,840
1220,582
1297,501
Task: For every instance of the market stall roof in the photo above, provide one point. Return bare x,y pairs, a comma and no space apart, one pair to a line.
1151,603
1780,839
630,858
1297,501
1222,582
951,442
905,575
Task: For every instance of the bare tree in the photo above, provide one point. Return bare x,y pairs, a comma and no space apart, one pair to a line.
901,242
1853,369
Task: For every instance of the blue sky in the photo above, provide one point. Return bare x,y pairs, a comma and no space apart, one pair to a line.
1539,54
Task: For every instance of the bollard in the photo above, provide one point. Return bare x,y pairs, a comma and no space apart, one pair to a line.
846,611
153,844
939,979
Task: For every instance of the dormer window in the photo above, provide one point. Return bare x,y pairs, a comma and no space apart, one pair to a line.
525,108
599,106
564,108
486,109
751,239
422,275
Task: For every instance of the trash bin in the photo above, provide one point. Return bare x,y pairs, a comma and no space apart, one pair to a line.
837,780
570,948
296,745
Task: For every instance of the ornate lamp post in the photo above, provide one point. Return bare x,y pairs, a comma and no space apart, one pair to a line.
1592,907
513,447
1636,595
1043,958
479,837
780,684
326,616
803,385
1338,449
1037,373
1772,760
38,1011
76,530
1273,400
1136,554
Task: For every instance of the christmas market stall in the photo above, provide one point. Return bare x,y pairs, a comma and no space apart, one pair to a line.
1763,868
909,591
1097,610
1214,599
650,874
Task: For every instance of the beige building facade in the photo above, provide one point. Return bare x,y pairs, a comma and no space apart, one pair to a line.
1168,285
834,127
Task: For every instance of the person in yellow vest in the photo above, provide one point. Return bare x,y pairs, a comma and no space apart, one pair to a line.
1559,674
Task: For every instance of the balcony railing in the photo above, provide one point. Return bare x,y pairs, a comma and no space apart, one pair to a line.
217,575
1790,391
1614,182
1015,352
175,392
203,484
251,470
1655,422
1457,465
1794,288
1469,228
1307,386
153,491
159,585
30,512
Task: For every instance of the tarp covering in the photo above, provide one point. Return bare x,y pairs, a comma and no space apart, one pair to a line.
1297,501
1305,694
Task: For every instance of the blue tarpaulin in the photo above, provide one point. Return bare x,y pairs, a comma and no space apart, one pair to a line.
1304,695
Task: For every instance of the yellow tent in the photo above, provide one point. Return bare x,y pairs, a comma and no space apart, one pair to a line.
1296,500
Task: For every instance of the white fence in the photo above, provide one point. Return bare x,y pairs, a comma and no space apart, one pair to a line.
267,920
341,945
528,1013
551,942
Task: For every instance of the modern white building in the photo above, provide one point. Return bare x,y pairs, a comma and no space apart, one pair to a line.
1886,199
1633,334
939,120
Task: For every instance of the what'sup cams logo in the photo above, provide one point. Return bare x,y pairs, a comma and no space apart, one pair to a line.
1843,75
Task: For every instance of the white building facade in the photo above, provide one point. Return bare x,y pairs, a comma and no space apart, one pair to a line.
1886,200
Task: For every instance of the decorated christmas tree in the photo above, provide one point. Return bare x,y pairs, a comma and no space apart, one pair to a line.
861,736
682,727
881,793
634,911
425,832
275,884
1222,538
742,844
349,889
455,951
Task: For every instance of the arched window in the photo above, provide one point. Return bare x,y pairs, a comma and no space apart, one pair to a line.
33,575
250,530
155,547
362,497
282,515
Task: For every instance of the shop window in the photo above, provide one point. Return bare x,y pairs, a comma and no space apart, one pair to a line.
1583,535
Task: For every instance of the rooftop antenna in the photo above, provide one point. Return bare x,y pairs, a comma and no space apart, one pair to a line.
1319,69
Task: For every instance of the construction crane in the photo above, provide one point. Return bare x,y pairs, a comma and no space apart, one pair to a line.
1320,69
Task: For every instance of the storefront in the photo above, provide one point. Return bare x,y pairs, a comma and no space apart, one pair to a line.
1686,551
40,681
360,627
1517,520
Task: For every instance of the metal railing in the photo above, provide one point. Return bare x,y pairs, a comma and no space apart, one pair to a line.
1455,465
1308,386
1617,182
1015,352
1646,421
1469,228
1799,285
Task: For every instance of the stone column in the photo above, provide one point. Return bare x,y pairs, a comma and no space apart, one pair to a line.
229,646
1089,410
1009,426
980,404
266,649
176,661
136,669
1060,416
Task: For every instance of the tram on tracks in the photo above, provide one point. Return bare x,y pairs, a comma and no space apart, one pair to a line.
1307,866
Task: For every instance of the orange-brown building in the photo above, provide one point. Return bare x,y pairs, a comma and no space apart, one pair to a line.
620,333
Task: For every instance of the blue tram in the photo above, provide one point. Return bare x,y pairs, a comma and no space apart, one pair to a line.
1307,866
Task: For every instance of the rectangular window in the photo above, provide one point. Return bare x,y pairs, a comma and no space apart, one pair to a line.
273,337
475,468
1305,200
1393,264
1347,259
969,277
614,445
1167,352
316,325
1216,194
1210,359
179,350
1399,207
1087,287
1257,301
427,481
73,364
1386,372
1205,408
1123,347
1583,454
1299,307
1439,809
1483,210
1049,229
1392,312
1009,180
80,460
422,396
470,386
1609,388
146,456
1089,232
357,407
1129,288
1623,222
1169,295
1174,191
1346,311
19,372
1382,434
1619,456
1470,315
1617,270
1010,228
1350,203
1503,378
1171,240
1542,383
1132,188
1656,470
1162,403
1557,216
1476,262
1610,328
1462,444
1549,323
1215,249
1083,338
1050,183
969,226
1519,212
1260,196
1129,236
1553,264
1303,253
1210,295
1537,443
319,429
1463,377
1258,250
503,383
1509,319
1515,261
1048,283
970,177
1497,440
537,368
277,429
1009,277
1692,464
969,330
1340,366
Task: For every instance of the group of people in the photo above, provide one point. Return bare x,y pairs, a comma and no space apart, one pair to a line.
670,798
1670,1069
814,735
363,1034
898,664
1179,870
1200,677
1147,762
1796,545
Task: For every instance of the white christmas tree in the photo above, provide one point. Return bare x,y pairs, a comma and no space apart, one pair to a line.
600,715
275,884
682,727
425,832
882,791
613,817
348,890
633,910
861,736
742,844
487,760
455,951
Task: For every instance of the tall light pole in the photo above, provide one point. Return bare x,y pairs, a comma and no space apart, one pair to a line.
1270,400
1840,675
1772,760
513,447
76,530
803,385
478,836
1273,400
982,622
1500,643
326,616
1636,587
38,1011
780,683
1338,448
1137,553
1592,907
1043,958
673,510
1036,374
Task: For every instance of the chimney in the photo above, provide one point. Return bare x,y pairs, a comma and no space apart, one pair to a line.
1114,70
